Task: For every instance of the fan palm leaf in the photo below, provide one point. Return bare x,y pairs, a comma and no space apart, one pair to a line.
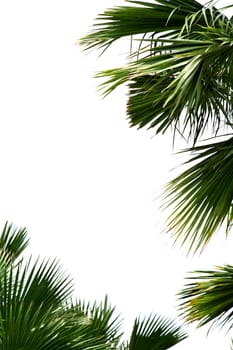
97,319
154,333
180,74
208,297
202,196
36,311
141,17
29,300
13,242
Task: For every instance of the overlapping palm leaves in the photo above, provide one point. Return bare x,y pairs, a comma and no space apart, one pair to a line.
37,311
179,75
208,297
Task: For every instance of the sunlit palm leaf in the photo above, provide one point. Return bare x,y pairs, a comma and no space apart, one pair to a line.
201,197
209,297
155,333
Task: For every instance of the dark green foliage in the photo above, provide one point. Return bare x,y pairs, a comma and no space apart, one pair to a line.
37,311
179,76
13,241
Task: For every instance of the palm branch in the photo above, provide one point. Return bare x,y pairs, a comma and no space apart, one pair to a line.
208,297
36,309
180,74
35,312
30,295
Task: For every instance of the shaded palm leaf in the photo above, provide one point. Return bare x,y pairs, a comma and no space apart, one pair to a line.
209,296
154,333
201,197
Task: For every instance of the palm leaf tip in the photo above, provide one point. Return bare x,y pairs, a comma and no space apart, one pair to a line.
141,17
13,241
201,198
155,332
208,297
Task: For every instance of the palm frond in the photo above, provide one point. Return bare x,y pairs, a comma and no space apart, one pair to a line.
29,297
13,242
98,320
208,297
180,74
35,314
155,333
201,197
142,17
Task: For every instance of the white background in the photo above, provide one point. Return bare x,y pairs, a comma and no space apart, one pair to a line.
84,183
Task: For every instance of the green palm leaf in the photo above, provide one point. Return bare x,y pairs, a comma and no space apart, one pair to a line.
209,297
154,333
201,197
145,17
36,311
29,299
98,319
180,74
13,242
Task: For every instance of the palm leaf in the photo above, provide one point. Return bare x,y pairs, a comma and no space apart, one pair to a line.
29,299
142,17
208,297
35,313
155,333
35,307
13,242
97,320
201,197
180,74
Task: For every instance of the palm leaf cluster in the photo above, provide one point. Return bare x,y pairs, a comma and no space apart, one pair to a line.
208,297
185,48
179,76
37,310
